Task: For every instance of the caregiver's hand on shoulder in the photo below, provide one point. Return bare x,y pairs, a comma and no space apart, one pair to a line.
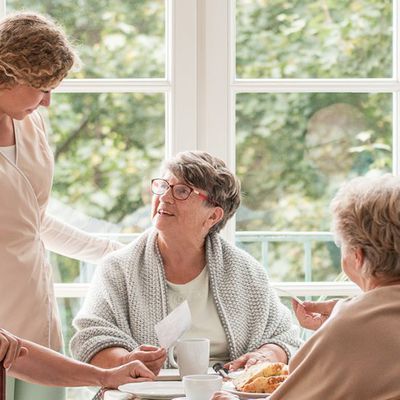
151,356
10,348
312,314
135,371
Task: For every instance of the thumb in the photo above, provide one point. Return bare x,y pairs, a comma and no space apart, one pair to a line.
23,351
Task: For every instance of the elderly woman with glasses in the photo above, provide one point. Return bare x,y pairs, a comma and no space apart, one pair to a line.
184,258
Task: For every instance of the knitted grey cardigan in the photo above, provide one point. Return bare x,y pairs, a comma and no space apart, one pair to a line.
128,296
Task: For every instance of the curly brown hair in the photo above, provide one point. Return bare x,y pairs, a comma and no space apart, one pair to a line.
34,51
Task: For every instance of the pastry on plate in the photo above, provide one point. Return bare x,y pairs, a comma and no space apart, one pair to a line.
264,384
261,370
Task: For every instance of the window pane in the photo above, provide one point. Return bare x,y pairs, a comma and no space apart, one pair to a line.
293,151
117,39
314,39
68,309
106,148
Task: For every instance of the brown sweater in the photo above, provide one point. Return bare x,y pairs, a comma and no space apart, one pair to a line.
355,355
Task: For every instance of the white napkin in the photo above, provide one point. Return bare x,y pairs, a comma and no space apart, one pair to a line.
174,325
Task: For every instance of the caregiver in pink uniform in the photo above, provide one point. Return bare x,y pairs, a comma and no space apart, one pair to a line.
34,57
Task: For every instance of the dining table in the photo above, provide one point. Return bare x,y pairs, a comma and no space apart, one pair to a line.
166,378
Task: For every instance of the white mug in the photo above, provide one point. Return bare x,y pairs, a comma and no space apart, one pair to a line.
201,387
192,355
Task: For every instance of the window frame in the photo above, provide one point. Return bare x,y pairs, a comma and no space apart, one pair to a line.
200,88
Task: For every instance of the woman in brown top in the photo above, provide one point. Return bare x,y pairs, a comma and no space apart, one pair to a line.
355,351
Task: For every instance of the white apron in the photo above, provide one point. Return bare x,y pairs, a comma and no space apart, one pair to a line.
27,307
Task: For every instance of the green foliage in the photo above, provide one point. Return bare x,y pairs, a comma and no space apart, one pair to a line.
314,38
107,147
115,39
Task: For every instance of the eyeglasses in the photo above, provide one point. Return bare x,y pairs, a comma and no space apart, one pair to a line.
179,191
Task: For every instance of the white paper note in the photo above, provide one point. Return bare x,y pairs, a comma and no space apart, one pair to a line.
295,298
174,325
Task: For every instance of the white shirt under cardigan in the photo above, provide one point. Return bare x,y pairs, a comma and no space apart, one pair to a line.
202,308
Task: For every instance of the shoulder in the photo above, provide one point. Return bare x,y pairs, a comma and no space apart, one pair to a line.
124,258
233,264
35,121
233,254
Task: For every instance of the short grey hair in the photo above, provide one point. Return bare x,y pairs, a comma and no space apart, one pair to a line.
366,215
209,173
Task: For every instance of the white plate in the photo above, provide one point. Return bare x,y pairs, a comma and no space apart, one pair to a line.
154,390
228,386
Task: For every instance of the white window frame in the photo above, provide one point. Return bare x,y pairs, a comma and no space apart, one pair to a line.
200,88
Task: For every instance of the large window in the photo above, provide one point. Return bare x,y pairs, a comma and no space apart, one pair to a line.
297,96
314,94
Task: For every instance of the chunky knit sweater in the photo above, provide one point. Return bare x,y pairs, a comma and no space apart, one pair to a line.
128,296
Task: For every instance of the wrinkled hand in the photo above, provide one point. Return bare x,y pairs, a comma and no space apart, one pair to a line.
221,395
268,352
10,348
135,371
312,314
151,356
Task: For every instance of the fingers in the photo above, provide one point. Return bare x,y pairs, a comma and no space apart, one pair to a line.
238,363
148,347
23,351
296,305
153,359
251,361
139,370
134,371
320,307
149,353
10,348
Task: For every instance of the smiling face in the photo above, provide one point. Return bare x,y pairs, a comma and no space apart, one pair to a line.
21,100
193,217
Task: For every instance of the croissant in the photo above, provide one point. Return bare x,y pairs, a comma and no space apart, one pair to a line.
263,384
265,369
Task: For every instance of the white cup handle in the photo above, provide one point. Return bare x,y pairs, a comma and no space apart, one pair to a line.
171,357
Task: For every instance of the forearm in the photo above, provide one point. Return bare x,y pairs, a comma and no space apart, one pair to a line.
67,240
110,357
47,367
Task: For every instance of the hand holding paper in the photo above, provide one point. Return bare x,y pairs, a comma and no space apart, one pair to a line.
174,325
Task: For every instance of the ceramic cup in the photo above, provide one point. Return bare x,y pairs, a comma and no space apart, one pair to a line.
201,387
192,356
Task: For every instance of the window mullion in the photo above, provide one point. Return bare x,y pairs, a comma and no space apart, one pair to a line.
183,73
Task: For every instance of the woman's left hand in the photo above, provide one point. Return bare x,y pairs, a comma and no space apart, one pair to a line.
268,352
